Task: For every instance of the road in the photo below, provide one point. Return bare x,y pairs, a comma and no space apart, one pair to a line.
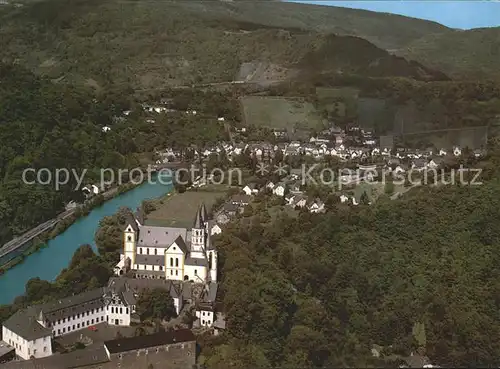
17,242
212,84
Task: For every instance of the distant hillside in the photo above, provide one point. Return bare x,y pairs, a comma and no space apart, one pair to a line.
473,53
353,55
154,44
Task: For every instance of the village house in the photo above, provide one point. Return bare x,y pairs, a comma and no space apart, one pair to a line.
419,164
289,199
241,200
206,306
279,189
214,228
435,163
299,201
316,206
251,189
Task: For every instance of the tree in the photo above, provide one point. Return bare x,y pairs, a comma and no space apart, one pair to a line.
156,304
139,331
389,188
364,199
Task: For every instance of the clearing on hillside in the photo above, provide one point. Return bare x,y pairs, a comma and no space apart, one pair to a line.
280,113
179,210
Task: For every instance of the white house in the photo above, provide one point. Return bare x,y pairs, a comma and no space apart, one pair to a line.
106,129
215,229
205,307
457,151
317,206
29,337
300,201
344,199
250,189
279,189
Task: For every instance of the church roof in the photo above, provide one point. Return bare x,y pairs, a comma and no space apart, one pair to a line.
160,236
198,221
130,221
196,261
150,259
204,214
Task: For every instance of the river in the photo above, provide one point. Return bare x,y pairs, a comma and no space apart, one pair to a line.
49,261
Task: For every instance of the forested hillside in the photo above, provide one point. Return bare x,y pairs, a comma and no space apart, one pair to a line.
98,43
49,125
44,125
322,290
473,53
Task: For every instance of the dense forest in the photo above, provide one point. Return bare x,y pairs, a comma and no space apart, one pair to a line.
46,125
50,125
323,290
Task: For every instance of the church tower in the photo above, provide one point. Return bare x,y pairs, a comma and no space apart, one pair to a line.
130,234
212,263
204,214
198,237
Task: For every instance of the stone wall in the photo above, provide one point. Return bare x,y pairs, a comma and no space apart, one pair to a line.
173,356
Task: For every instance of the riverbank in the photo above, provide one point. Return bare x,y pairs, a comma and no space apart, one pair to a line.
40,241
49,261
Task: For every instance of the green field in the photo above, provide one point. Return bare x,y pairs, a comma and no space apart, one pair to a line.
179,210
280,113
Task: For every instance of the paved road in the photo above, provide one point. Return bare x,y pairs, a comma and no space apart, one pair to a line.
262,83
17,242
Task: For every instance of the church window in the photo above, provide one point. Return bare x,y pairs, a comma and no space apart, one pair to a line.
195,272
171,262
203,322
176,272
112,310
121,310
161,268
171,272
129,238
140,251
147,250
156,252
176,262
126,310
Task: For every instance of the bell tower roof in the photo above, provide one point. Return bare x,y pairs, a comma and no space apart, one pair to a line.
203,213
198,221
